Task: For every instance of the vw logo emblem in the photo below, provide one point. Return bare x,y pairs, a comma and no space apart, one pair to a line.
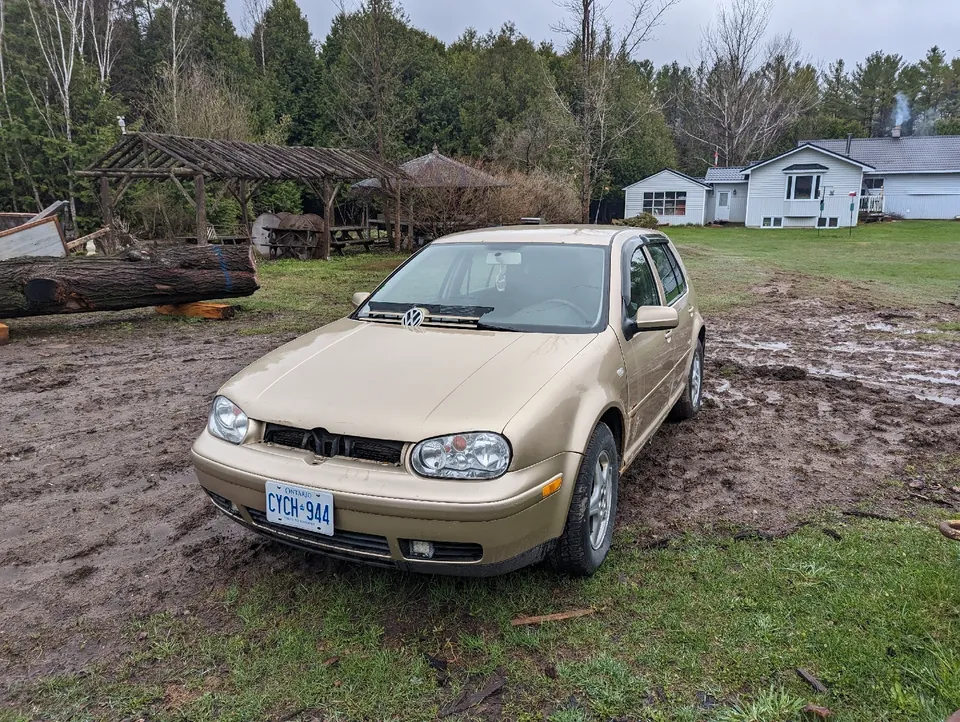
414,317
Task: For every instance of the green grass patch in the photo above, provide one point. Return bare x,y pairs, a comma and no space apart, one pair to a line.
706,630
912,263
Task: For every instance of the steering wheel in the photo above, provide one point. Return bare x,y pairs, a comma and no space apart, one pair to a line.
563,302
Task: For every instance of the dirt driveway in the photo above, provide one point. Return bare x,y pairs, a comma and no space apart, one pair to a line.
811,407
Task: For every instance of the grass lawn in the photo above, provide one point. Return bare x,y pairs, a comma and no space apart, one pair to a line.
706,629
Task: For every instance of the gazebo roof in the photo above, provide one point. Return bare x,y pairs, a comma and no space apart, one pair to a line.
155,155
436,170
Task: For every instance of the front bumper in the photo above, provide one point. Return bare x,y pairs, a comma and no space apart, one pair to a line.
478,527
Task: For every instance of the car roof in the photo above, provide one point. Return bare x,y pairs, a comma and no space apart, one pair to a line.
579,234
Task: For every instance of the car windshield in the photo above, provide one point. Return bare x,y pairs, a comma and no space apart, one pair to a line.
538,287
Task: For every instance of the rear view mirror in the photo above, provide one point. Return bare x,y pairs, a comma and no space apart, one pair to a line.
504,258
359,298
652,318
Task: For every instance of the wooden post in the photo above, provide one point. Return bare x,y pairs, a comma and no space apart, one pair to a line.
106,201
200,199
396,229
244,211
327,220
410,222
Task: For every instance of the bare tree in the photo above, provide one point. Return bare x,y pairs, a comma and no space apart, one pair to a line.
253,12
103,18
604,53
199,104
60,27
176,63
747,91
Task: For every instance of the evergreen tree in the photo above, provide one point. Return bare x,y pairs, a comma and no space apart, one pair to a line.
875,89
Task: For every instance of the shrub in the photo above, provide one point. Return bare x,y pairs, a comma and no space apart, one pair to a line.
644,220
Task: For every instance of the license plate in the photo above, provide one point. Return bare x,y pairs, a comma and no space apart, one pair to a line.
300,507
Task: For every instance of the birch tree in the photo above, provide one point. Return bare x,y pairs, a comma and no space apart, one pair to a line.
603,53
103,20
60,27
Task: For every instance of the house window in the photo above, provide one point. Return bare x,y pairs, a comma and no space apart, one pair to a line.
772,222
803,187
665,203
834,222
824,222
873,184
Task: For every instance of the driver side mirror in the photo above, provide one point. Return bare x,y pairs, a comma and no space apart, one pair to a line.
359,298
651,318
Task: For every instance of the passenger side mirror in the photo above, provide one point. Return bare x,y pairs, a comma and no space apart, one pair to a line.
359,298
651,318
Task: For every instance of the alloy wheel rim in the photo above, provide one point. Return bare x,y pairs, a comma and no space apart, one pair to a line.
601,494
696,380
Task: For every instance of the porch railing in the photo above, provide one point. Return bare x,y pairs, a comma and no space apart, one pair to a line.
871,204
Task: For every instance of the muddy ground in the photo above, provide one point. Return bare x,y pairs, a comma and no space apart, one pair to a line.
811,407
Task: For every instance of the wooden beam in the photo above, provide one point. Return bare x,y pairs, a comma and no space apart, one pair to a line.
106,203
244,210
135,172
89,237
201,206
4,334
190,200
326,238
396,230
201,309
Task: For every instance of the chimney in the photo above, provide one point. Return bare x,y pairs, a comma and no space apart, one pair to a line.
895,133
849,143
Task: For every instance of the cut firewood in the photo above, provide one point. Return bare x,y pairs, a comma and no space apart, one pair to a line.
559,616
83,240
4,334
201,309
818,711
37,287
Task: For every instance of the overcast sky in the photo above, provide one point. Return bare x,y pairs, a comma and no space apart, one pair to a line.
827,29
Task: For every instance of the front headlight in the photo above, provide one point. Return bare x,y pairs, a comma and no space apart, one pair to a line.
227,421
483,455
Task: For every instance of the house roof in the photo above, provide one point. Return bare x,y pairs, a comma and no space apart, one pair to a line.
732,174
435,170
805,166
674,172
909,154
158,154
825,151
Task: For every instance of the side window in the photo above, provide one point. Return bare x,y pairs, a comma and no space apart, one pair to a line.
674,284
643,289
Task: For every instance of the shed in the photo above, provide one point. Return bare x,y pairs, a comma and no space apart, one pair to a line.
240,166
673,197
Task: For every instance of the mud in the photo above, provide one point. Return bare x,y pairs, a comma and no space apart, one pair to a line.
809,407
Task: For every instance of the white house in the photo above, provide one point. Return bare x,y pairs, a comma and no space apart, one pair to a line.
674,198
814,185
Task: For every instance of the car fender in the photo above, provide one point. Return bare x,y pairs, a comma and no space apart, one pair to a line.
562,415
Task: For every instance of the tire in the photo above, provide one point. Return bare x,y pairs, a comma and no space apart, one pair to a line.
583,546
688,405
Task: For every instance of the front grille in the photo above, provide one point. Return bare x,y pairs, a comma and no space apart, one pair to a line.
447,552
323,443
347,544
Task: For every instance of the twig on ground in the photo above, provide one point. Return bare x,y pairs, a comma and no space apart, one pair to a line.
521,621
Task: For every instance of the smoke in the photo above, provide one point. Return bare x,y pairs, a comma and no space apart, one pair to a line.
902,112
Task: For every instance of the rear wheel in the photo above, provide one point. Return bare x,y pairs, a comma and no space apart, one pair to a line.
588,533
688,405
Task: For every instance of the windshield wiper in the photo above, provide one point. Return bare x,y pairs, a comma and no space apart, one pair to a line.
484,326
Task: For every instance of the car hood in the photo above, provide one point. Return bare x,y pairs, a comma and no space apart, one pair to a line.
391,382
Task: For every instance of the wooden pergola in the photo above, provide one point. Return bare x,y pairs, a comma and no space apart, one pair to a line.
240,166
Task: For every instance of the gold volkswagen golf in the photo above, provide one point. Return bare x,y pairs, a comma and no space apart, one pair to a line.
476,411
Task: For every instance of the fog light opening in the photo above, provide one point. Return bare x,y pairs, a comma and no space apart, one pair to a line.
421,549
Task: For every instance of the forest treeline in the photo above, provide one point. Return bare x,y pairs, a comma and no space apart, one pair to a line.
588,110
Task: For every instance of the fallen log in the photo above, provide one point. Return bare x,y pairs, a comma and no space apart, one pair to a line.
37,287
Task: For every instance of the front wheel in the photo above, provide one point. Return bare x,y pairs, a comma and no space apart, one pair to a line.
588,533
688,405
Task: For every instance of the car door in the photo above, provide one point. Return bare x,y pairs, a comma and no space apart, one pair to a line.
647,355
676,294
